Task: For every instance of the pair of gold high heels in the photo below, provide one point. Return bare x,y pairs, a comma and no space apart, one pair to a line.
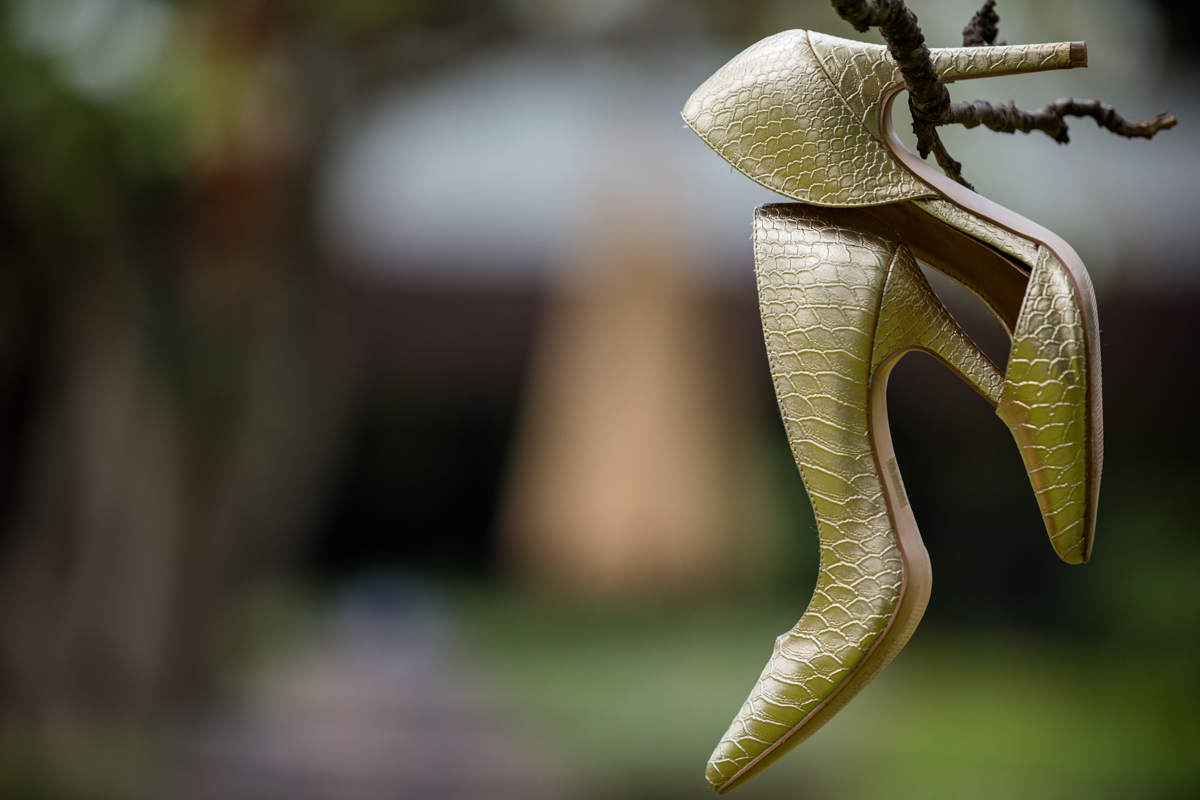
842,300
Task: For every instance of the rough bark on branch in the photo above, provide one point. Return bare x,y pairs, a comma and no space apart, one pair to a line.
928,98
983,27
1049,119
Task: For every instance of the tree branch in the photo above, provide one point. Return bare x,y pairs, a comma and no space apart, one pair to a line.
983,27
1049,119
929,100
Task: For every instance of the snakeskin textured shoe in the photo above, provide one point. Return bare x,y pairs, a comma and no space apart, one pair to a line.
842,299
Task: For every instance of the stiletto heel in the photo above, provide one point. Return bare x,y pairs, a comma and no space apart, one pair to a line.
842,299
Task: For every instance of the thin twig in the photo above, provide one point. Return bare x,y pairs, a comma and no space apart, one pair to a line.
983,27
1050,118
949,165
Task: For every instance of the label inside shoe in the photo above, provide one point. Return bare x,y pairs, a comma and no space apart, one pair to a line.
897,484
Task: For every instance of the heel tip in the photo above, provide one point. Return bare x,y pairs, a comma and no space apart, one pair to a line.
1078,54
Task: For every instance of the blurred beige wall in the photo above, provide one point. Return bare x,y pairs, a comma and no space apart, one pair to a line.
633,472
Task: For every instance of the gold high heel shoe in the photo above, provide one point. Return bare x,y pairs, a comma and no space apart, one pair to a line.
842,299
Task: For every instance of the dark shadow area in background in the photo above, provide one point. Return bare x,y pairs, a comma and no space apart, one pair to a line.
420,490
426,471
424,468
1183,19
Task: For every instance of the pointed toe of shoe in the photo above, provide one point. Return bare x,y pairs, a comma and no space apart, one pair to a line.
775,113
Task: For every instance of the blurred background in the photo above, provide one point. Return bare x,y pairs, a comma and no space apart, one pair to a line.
384,414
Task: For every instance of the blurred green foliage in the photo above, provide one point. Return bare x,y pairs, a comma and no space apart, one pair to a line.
638,698
103,100
68,161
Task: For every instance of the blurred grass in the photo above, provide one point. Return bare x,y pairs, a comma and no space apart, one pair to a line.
637,699
107,765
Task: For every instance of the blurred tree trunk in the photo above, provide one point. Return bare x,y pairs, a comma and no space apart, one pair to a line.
180,407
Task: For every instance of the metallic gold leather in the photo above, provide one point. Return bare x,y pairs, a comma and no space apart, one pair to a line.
976,227
775,115
839,296
798,112
1051,400
1045,404
910,314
